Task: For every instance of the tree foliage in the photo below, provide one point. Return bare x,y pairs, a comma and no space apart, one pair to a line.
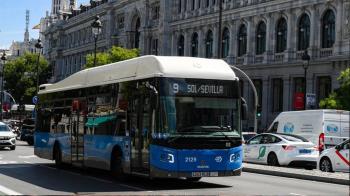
20,76
113,55
340,98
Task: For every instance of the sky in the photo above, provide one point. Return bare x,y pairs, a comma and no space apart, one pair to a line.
12,18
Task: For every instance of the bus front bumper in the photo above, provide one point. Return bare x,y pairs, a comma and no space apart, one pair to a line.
159,173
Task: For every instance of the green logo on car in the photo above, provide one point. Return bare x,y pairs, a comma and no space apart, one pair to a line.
262,152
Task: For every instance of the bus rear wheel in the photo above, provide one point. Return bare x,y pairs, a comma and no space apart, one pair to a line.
193,179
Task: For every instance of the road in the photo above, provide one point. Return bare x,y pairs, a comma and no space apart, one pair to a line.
23,173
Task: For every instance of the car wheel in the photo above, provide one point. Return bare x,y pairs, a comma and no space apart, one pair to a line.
13,147
193,179
272,160
326,165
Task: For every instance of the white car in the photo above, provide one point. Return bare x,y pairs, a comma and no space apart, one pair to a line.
281,149
336,158
7,137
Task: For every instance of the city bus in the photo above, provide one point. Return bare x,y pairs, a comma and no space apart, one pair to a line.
155,116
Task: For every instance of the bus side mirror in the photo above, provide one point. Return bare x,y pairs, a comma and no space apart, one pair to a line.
244,109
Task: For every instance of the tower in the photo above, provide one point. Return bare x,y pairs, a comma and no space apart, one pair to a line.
26,34
72,4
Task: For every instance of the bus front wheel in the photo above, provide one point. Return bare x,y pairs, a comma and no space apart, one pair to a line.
58,156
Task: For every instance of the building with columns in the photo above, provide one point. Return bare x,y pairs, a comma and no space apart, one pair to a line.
265,38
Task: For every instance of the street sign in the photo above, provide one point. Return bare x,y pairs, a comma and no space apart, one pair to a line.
35,100
310,100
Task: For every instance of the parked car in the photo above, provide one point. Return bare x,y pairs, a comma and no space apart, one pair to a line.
281,149
324,128
336,158
7,137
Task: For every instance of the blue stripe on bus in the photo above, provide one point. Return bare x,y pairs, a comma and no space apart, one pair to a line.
195,160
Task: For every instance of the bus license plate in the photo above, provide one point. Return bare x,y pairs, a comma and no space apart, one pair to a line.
304,151
204,174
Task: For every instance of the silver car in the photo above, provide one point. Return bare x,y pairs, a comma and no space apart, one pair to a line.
7,137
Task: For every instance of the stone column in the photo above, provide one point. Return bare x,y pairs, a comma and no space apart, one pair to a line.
187,43
233,43
270,30
291,36
201,42
265,101
339,21
286,93
174,44
215,41
250,41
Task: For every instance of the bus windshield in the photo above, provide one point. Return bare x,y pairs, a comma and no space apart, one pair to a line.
199,107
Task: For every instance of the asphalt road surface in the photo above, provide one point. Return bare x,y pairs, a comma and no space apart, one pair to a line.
23,173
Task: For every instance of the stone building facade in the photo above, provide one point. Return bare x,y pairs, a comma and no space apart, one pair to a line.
265,38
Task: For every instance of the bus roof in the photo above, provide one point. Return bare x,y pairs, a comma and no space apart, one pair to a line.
144,67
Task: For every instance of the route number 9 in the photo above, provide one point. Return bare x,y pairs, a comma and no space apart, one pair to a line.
176,87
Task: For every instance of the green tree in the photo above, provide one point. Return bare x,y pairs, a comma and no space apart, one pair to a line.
20,76
113,55
340,98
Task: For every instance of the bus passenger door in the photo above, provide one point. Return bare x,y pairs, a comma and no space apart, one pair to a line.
139,125
77,138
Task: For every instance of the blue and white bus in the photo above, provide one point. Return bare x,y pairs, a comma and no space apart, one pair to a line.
163,117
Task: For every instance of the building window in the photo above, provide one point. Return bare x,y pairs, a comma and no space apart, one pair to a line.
193,4
185,5
225,45
328,29
304,32
121,22
137,33
155,46
209,45
194,45
277,95
207,3
180,46
155,12
281,36
242,40
261,38
324,87
179,6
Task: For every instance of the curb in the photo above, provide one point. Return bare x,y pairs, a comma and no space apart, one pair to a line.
298,176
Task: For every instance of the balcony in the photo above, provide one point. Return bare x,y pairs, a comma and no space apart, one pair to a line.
326,52
279,57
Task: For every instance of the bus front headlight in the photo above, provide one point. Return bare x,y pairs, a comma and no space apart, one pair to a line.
234,157
167,158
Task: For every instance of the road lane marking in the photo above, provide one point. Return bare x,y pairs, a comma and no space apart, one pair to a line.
26,157
295,194
8,191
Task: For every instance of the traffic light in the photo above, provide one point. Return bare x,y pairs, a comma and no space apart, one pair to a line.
258,112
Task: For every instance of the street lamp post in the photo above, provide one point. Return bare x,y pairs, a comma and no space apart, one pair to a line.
96,30
39,46
306,62
3,58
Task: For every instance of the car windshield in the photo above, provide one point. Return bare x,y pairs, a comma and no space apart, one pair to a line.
195,108
4,128
294,138
248,136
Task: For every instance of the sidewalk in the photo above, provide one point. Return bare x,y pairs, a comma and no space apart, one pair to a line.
300,173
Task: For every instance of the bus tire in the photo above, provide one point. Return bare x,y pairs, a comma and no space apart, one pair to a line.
272,159
116,163
57,155
193,179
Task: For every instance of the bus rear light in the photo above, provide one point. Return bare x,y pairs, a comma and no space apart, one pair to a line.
289,148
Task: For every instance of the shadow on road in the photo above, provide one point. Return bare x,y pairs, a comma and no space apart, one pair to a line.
76,180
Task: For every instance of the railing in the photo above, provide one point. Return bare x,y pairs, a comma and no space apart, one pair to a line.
326,52
279,56
299,54
259,59
240,60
